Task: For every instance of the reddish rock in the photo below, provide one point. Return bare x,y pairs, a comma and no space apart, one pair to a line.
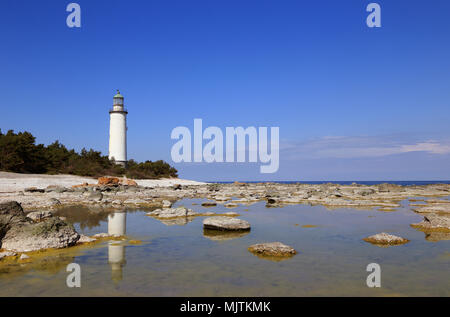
128,182
111,181
105,181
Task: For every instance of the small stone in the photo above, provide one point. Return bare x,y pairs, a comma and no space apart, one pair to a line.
54,202
166,204
101,235
24,257
86,239
95,196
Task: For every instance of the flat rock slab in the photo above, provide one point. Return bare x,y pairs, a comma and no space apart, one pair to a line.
437,208
226,224
434,222
172,212
272,249
385,239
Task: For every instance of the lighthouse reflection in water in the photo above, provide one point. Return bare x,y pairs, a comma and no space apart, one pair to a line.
117,223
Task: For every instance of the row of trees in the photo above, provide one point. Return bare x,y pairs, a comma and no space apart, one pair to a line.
19,153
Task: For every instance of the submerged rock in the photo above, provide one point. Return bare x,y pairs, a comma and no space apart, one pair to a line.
209,204
226,223
272,249
180,221
231,205
385,239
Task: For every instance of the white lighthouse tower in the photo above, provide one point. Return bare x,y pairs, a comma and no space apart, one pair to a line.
118,131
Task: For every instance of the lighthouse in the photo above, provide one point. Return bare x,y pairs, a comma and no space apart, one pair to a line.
118,131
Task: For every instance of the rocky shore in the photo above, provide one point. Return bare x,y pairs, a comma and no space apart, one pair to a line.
29,210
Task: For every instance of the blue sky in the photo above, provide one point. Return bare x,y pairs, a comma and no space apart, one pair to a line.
352,103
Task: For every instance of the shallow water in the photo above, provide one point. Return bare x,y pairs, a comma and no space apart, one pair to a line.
179,259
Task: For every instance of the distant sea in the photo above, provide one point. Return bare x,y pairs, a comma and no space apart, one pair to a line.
403,183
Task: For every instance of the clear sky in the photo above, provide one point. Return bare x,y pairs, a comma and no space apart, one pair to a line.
352,103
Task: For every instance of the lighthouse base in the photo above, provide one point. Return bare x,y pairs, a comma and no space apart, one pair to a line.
121,163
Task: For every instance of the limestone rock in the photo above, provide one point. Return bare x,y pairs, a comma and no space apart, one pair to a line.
50,233
364,192
385,239
54,202
172,212
434,222
56,189
436,208
86,239
135,201
95,196
5,254
23,257
272,249
11,213
225,223
38,216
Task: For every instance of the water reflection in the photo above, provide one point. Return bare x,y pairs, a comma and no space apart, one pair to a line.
117,223
217,235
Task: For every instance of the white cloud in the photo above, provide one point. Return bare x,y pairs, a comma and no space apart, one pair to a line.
360,147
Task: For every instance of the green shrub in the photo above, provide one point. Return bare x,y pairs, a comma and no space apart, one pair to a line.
20,154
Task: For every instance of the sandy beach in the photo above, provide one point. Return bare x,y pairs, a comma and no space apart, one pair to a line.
14,182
